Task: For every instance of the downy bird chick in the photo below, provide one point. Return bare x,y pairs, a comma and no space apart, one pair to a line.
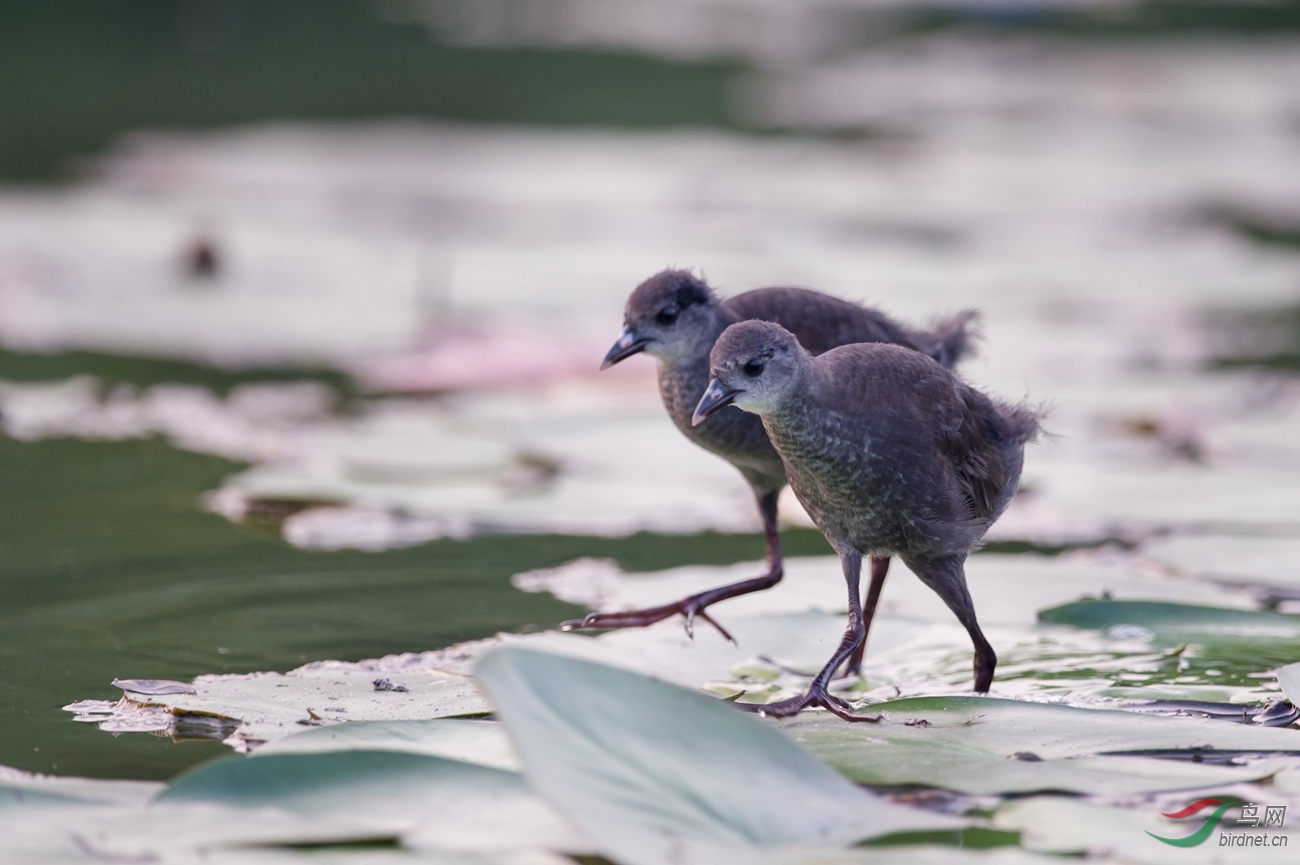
890,454
675,317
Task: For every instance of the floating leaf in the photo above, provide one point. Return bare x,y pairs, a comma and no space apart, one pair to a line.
154,687
1289,678
258,707
434,801
986,745
1246,559
1120,834
483,742
656,774
20,787
1181,623
1008,589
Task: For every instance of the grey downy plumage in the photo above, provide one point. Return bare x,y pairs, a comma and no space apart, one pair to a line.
675,317
890,453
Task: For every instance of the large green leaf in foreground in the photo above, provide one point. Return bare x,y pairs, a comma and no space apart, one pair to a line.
654,773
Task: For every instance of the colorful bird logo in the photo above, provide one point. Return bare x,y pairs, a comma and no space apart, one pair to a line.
1202,833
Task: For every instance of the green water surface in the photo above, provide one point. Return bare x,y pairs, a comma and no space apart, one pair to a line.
110,568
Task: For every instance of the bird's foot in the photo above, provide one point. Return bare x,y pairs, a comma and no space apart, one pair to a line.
691,608
816,697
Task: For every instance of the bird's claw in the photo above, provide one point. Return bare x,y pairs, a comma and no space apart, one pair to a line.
689,609
815,697
712,621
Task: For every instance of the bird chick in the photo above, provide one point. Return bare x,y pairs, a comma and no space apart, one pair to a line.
675,317
890,454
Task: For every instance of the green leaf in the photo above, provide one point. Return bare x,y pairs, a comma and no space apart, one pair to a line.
436,802
1178,623
1055,824
655,774
981,745
18,788
482,741
1289,678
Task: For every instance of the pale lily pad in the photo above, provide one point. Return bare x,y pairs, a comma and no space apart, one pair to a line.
1256,560
432,801
1007,589
1289,678
655,774
777,643
233,811
257,707
154,687
1228,498
921,854
165,833
21,787
1072,827
483,742
983,745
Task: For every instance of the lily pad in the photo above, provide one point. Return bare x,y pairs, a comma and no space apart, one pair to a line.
1252,560
24,787
255,708
1289,678
483,742
433,801
982,745
1103,831
1272,634
1007,589
656,774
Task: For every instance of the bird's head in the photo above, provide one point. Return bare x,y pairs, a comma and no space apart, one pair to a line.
755,365
668,316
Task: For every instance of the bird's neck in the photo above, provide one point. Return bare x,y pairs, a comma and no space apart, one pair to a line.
796,416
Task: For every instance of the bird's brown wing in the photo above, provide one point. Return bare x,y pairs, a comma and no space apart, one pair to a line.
819,321
972,446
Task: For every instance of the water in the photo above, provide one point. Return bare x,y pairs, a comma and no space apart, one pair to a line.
112,570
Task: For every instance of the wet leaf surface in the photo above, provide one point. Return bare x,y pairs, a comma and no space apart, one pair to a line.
654,772
978,745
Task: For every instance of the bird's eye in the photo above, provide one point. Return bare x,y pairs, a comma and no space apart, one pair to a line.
667,315
754,368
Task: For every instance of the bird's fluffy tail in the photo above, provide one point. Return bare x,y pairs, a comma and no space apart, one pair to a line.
954,339
1021,422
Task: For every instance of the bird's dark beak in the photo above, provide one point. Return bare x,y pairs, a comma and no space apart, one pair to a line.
716,396
627,344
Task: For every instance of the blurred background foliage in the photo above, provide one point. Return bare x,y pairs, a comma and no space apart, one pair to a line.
76,75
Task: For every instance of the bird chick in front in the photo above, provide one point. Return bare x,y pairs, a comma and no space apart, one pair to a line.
675,317
891,455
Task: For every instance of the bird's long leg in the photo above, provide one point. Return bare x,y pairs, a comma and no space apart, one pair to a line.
879,568
947,576
695,606
816,696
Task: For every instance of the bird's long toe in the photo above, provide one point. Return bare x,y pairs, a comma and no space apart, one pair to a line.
816,697
690,609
